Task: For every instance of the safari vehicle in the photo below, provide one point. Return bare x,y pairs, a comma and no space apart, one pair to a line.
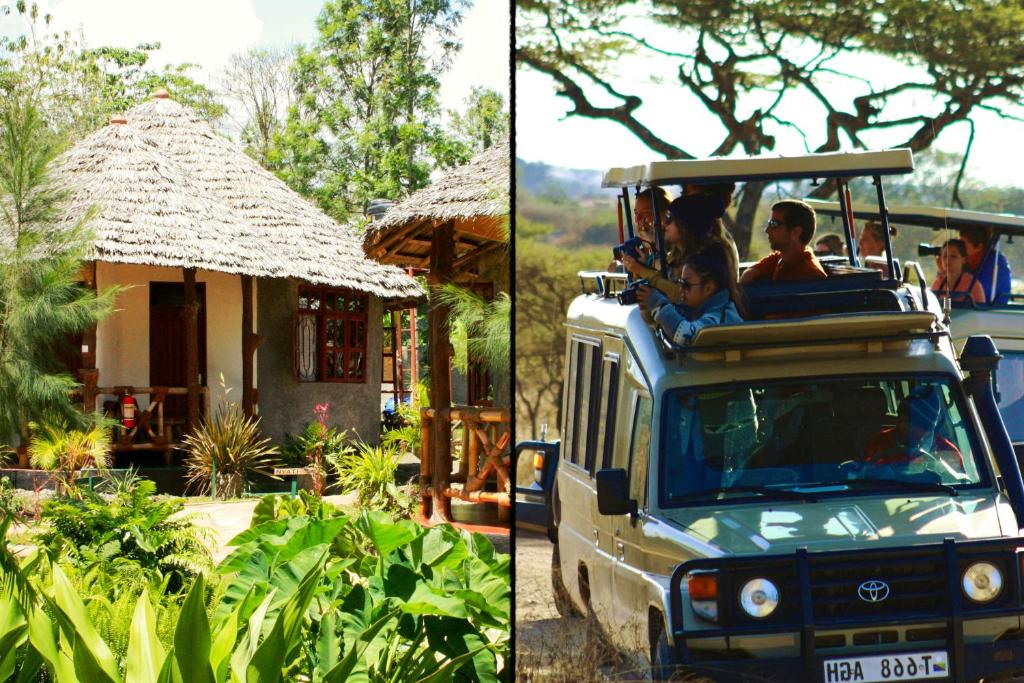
1004,322
828,497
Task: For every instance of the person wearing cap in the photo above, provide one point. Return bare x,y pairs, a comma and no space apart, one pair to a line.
913,441
692,222
789,232
990,267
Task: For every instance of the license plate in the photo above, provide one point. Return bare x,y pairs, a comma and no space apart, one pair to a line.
913,666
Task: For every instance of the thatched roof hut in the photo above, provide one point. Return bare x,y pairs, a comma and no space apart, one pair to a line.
150,212
474,197
302,242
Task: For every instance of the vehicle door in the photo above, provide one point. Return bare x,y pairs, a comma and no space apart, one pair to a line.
576,495
629,585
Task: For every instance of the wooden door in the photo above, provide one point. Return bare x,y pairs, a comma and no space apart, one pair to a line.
167,342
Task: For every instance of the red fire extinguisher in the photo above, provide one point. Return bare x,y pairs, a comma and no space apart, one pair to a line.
128,406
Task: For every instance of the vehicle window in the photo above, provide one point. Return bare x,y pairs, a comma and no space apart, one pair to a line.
1009,387
576,373
830,436
593,407
640,445
606,440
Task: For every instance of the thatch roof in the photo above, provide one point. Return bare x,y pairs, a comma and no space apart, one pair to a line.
149,211
475,197
262,227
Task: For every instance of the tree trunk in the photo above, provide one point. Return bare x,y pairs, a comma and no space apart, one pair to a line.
743,226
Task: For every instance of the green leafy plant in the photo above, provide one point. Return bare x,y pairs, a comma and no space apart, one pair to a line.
317,447
231,443
408,437
370,472
132,533
67,451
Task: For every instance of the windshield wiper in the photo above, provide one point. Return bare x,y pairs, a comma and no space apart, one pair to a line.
765,491
919,486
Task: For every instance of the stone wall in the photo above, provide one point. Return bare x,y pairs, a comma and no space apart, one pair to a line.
285,404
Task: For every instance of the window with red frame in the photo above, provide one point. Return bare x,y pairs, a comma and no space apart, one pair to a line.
330,335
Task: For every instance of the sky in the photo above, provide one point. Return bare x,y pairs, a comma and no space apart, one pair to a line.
544,133
208,32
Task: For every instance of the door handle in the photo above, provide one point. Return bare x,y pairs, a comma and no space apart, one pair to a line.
620,550
597,537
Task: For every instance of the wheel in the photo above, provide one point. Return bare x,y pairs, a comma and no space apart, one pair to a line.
663,660
563,601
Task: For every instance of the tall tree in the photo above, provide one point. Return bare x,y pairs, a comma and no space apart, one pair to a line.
365,121
76,88
41,302
258,80
749,62
485,120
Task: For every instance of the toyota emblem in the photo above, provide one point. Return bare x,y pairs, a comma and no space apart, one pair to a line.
873,591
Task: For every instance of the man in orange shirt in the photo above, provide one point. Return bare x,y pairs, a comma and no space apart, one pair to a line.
789,231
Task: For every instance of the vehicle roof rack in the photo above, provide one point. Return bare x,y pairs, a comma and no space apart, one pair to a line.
936,218
831,165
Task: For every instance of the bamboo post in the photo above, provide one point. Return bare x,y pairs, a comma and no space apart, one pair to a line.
425,444
442,252
89,374
191,347
249,344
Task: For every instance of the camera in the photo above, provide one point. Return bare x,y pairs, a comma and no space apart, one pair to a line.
627,297
925,249
630,247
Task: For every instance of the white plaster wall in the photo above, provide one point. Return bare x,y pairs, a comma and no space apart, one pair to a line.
122,340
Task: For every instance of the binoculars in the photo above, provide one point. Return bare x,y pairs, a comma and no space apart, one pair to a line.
630,247
627,297
925,249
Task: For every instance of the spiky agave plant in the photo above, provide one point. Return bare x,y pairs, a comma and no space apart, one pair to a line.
232,441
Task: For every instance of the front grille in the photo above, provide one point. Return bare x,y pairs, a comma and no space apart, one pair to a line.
917,587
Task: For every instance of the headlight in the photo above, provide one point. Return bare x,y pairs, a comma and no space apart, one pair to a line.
982,582
759,598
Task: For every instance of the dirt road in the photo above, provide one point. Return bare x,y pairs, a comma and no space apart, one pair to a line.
550,647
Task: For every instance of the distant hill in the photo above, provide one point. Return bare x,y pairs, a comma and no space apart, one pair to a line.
556,182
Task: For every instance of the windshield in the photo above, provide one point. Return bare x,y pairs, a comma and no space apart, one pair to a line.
816,437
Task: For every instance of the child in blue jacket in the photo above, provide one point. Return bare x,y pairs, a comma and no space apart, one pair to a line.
707,297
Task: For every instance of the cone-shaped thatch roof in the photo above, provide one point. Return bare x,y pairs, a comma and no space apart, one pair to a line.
260,227
150,211
475,197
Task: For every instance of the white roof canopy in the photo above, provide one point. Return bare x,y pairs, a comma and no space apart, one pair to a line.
937,218
832,165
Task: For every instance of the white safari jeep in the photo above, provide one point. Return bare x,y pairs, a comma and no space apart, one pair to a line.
828,497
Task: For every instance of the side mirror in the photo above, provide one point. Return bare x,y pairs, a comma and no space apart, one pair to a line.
613,493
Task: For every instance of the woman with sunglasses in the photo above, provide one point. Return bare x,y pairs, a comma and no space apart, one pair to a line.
709,297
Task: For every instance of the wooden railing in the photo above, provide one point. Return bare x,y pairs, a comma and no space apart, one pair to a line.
152,431
485,458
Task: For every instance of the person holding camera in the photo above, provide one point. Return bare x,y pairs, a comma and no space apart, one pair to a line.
709,296
692,222
991,267
646,203
953,279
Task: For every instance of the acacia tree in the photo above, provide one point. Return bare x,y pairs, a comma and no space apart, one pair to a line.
41,302
744,61
365,123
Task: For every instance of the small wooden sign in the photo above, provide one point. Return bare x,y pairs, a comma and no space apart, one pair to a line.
289,471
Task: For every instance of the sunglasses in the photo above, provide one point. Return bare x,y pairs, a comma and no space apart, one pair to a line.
772,223
686,286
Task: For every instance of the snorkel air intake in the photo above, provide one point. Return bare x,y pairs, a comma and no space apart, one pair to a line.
979,360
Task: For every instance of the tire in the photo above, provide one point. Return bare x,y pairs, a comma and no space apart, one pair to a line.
663,659
563,601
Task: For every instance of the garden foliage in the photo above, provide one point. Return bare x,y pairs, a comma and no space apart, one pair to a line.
323,597
231,443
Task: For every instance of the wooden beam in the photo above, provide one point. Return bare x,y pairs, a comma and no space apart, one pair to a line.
88,373
384,245
250,342
442,254
466,259
191,347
